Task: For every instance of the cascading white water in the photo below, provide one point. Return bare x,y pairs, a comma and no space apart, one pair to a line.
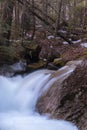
18,97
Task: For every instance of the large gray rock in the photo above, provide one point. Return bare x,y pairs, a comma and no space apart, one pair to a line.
67,99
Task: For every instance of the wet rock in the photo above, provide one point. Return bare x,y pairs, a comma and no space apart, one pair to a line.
35,66
51,66
72,103
67,98
59,62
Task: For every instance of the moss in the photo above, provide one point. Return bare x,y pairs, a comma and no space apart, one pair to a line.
59,62
84,55
35,66
85,52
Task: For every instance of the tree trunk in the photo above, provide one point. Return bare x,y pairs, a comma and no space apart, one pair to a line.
17,23
33,20
6,21
44,15
58,16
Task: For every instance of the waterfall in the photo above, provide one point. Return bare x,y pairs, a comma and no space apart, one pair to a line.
18,97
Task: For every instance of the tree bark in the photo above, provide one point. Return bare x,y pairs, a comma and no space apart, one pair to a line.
58,17
6,22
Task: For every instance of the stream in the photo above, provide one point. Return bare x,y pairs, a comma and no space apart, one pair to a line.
18,97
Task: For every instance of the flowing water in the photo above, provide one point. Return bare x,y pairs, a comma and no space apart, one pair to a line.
18,97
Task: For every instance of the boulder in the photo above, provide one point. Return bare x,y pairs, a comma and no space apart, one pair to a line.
51,66
59,62
67,99
49,52
35,66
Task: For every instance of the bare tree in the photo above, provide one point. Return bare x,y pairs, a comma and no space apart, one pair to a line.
60,2
6,22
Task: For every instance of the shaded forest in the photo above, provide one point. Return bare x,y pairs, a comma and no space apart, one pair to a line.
22,19
38,31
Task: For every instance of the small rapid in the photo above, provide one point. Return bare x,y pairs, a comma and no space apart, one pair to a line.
18,97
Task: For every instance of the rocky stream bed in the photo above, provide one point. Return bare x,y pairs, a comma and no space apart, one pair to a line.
66,98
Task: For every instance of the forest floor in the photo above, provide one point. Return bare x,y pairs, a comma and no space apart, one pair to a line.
50,52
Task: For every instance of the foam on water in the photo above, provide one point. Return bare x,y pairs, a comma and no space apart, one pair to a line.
18,97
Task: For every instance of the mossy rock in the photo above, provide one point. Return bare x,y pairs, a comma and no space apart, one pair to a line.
84,55
85,52
59,62
35,66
